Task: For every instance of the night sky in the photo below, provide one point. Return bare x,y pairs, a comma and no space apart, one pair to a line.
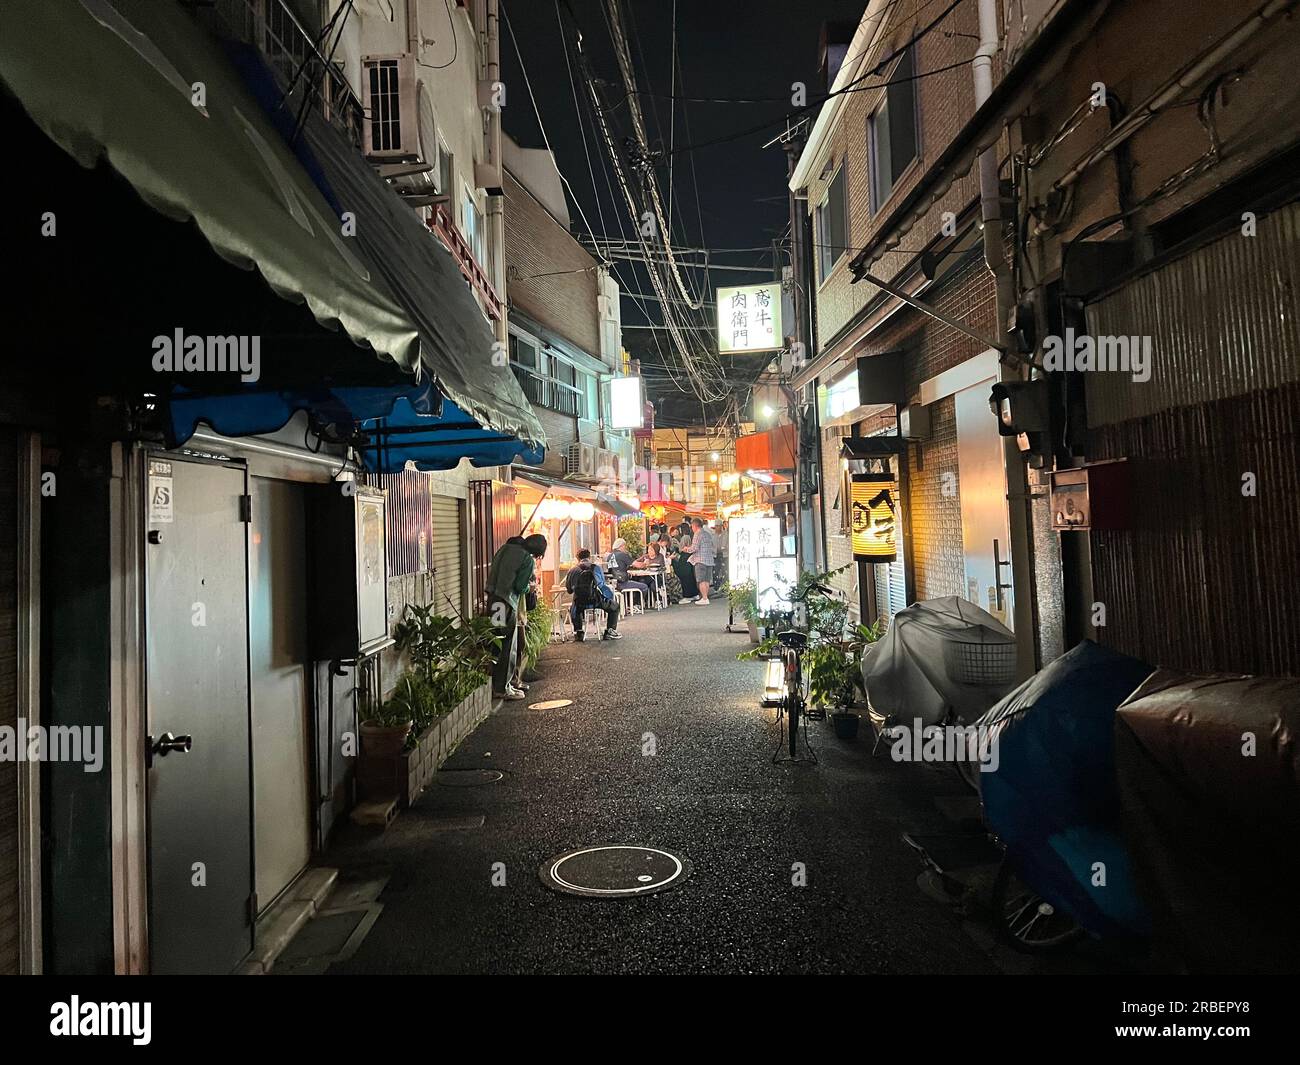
754,49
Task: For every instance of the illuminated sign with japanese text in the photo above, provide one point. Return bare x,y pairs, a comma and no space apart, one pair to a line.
749,318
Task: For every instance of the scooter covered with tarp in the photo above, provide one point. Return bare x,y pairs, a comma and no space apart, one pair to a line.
940,660
1053,800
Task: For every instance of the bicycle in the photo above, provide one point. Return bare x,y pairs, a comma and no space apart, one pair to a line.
792,705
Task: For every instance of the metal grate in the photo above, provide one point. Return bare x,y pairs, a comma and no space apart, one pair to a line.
385,105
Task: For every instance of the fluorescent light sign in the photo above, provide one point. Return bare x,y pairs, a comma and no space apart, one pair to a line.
749,539
749,318
874,517
777,577
627,407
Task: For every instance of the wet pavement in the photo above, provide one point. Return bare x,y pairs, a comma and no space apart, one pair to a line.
665,746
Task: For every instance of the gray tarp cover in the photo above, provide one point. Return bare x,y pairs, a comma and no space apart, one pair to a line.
114,81
938,654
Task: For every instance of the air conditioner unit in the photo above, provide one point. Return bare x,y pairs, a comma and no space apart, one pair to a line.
581,461
388,95
606,463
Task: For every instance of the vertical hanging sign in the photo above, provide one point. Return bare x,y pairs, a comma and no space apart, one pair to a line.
874,517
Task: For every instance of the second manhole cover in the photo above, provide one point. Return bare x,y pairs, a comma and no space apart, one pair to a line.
614,872
551,704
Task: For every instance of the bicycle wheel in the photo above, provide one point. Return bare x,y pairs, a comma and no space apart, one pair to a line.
1025,920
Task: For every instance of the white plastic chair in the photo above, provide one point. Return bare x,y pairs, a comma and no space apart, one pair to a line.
633,601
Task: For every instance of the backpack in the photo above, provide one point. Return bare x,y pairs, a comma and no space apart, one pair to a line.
584,586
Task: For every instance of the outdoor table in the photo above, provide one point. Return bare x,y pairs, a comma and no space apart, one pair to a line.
657,575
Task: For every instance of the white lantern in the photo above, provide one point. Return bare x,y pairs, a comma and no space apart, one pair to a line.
581,512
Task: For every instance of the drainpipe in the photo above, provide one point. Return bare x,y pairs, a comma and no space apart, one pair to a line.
995,258
493,175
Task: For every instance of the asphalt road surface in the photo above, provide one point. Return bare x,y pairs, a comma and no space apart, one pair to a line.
580,776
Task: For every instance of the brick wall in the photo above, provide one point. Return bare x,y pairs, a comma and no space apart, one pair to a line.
946,101
938,562
536,243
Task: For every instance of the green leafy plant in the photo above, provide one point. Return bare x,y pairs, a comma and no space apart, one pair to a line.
630,529
743,598
830,675
450,658
537,631
833,660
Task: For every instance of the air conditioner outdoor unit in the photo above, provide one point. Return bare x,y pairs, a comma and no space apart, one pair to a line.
581,461
605,464
388,95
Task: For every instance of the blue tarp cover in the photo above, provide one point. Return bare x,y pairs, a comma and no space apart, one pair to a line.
1054,801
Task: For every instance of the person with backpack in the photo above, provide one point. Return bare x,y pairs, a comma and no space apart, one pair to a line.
586,583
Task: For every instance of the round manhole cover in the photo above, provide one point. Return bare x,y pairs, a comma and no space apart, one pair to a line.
614,872
467,778
551,704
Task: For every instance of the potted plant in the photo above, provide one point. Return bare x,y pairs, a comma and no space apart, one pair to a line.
385,732
743,598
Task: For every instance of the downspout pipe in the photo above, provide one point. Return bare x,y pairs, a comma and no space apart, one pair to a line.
995,258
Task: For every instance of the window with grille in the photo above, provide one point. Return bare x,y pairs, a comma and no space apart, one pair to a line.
385,106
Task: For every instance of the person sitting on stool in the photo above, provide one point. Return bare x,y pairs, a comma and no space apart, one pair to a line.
586,583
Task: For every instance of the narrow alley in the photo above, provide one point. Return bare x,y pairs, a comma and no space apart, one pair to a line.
576,776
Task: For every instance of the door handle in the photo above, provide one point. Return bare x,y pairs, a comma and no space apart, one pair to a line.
998,586
167,742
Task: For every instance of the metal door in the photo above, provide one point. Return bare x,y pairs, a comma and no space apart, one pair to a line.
280,677
982,486
200,855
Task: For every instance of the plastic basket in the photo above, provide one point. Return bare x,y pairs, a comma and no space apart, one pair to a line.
983,664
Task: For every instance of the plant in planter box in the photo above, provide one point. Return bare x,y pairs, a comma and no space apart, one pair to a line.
450,658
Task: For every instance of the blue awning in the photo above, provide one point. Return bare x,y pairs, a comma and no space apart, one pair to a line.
388,425
437,443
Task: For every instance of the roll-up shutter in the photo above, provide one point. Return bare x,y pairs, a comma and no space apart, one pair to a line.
447,554
9,827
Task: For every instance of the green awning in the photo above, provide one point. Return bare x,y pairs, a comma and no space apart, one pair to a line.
144,86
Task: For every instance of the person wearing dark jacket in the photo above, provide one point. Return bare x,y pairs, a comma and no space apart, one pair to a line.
622,559
508,579
586,583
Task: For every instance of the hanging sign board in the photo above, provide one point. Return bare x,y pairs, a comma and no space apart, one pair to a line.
874,517
748,539
749,318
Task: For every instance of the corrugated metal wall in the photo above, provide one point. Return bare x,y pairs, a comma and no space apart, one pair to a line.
410,532
1208,575
1224,320
446,551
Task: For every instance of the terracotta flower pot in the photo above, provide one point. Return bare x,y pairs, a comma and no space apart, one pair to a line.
384,741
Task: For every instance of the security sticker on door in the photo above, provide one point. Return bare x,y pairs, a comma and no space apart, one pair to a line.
161,498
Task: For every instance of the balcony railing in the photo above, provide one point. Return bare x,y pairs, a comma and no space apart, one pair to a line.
292,50
442,223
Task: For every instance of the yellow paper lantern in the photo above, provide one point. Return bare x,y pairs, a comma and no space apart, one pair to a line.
874,517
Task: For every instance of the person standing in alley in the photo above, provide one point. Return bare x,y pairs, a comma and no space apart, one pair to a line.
703,553
508,578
